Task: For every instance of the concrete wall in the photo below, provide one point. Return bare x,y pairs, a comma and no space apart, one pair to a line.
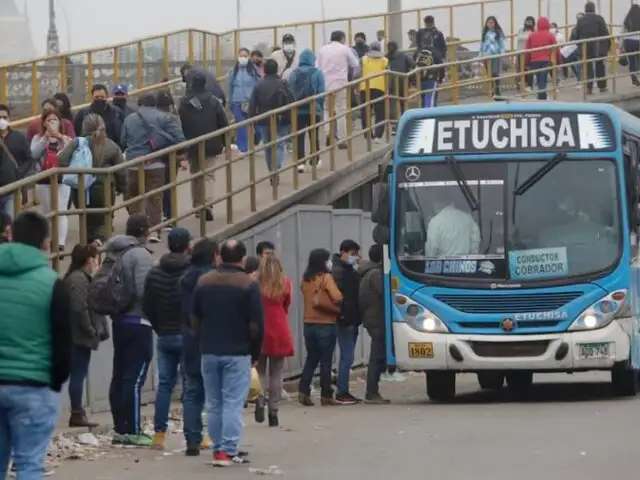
295,233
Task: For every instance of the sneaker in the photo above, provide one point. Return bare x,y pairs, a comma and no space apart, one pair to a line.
319,164
193,449
375,399
118,439
258,413
302,168
158,441
346,399
305,400
273,419
154,238
138,440
386,377
328,402
221,459
397,377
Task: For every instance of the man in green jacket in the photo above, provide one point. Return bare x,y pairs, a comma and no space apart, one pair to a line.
35,346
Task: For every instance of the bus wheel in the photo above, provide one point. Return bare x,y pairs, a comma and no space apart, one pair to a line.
624,380
491,380
518,381
441,386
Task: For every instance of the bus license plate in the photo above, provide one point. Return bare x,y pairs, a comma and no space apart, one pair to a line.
420,350
594,350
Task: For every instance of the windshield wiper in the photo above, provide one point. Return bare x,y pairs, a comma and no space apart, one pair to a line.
471,199
540,173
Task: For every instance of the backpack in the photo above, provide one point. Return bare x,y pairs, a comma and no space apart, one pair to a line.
303,86
424,58
50,159
108,294
81,158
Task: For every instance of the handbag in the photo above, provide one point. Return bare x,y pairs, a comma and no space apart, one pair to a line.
322,302
158,139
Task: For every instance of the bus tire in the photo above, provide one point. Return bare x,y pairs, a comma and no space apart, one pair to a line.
441,386
624,380
491,380
519,381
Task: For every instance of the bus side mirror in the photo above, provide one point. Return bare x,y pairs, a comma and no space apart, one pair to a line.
381,235
381,211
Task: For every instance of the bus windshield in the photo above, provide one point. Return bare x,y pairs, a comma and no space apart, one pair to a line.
566,224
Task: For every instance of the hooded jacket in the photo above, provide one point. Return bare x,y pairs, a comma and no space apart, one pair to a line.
162,303
348,282
87,327
270,93
212,86
202,113
542,37
371,298
136,264
307,68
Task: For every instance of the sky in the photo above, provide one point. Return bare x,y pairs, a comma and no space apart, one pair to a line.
88,23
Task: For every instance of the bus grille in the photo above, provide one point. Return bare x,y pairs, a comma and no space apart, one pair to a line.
501,303
510,349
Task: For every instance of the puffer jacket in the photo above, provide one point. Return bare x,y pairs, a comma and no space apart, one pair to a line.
348,282
87,327
371,298
162,304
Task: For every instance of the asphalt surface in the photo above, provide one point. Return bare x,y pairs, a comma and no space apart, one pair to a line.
567,427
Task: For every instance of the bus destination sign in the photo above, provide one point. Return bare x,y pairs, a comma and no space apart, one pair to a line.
507,133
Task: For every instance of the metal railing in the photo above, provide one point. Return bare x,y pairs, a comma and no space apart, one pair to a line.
357,142
142,63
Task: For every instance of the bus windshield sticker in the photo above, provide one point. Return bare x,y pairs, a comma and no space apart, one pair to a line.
459,266
507,133
538,263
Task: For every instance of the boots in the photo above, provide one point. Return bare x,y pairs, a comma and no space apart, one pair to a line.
79,418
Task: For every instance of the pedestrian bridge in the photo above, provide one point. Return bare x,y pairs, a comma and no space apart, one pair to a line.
243,195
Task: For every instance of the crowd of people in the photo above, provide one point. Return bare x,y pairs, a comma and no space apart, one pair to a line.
217,313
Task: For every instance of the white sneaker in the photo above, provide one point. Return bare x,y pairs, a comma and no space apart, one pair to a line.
302,168
397,377
319,164
154,238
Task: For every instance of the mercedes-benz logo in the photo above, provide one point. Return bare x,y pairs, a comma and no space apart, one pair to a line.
412,173
507,325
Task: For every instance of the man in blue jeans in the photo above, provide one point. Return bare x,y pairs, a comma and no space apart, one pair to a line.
204,258
35,349
348,281
162,306
227,314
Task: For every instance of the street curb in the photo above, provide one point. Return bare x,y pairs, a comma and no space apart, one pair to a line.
289,385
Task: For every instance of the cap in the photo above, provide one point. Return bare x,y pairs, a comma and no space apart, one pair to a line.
137,225
120,88
288,38
375,46
179,239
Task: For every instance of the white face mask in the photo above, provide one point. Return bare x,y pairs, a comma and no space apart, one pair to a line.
329,265
243,61
4,123
289,48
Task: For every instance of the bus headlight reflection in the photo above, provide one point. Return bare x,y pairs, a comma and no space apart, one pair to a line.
426,322
602,312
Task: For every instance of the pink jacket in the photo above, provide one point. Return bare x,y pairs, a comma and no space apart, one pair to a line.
335,60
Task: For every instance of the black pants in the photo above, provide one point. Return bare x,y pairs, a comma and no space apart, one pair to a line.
377,363
596,67
96,222
304,121
132,354
378,112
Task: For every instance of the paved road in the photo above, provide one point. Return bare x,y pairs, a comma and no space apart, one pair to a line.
569,428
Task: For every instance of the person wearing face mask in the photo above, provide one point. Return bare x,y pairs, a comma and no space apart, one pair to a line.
16,161
88,328
258,61
242,80
49,105
360,46
119,98
348,281
113,116
288,58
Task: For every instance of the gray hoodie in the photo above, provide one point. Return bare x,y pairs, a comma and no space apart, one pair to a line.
371,298
136,264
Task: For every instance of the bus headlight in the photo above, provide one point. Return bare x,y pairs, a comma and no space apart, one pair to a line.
418,317
603,312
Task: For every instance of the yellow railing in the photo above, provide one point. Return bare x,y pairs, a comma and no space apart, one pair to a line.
144,62
253,190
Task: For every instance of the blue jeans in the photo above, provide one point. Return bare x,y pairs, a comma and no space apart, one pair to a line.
347,338
193,395
541,78
169,355
28,417
80,359
320,343
429,93
632,46
577,68
6,205
242,135
226,384
265,134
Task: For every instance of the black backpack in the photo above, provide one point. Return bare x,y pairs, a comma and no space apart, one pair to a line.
108,294
303,86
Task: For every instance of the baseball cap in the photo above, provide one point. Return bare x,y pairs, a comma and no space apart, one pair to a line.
288,38
121,88
179,239
137,225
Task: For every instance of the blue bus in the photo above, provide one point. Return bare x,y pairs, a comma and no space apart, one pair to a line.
512,247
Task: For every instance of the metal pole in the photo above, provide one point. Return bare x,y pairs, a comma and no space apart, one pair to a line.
323,16
395,22
238,12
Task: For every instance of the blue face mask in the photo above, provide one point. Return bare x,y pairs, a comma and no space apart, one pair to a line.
352,260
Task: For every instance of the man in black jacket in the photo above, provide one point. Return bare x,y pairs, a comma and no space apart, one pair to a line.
402,63
113,116
592,25
162,307
189,73
202,113
348,281
431,49
15,158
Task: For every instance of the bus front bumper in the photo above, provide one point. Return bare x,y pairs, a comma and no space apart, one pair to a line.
567,351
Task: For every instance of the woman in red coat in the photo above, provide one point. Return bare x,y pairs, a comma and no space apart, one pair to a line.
278,344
